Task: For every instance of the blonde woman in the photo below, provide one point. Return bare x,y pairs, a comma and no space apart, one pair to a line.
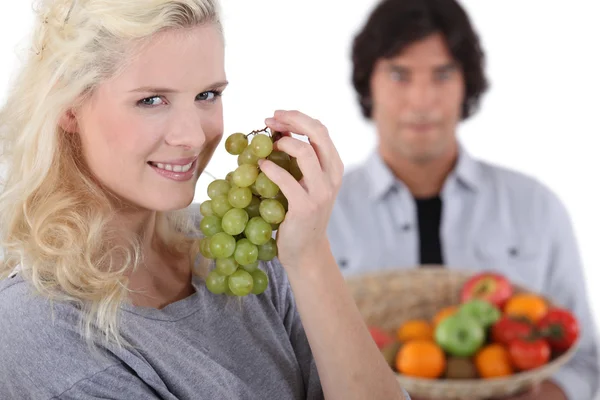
100,297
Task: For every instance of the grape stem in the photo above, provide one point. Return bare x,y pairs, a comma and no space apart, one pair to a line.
257,131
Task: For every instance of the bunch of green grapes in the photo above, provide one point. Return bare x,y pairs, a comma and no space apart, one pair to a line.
241,215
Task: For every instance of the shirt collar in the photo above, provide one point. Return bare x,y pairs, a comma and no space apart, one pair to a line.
467,172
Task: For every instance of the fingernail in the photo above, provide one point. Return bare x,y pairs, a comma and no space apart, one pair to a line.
260,161
270,120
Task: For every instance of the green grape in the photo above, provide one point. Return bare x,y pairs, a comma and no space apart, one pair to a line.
253,209
258,231
229,178
250,267
236,143
265,187
228,291
206,208
222,245
216,283
210,225
280,197
220,205
267,251
241,283
245,175
240,197
295,169
226,266
261,146
271,211
280,158
234,221
217,188
260,281
245,252
204,244
247,157
253,189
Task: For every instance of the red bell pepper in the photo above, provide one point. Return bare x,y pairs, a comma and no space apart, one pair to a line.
560,328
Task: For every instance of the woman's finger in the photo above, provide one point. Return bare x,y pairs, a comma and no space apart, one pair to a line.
302,124
290,188
308,161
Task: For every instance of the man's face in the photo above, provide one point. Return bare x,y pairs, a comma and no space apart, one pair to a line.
417,100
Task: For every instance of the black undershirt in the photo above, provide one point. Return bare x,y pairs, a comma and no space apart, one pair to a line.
429,213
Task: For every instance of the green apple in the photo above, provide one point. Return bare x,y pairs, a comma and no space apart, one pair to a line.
460,335
482,311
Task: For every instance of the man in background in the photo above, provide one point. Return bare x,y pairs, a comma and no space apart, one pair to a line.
421,199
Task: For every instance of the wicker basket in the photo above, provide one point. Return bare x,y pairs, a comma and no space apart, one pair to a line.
387,299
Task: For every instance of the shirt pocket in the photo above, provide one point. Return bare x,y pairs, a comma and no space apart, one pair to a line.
521,260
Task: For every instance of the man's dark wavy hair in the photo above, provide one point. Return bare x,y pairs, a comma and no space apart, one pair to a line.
395,24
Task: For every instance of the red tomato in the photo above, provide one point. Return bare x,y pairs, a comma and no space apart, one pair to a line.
560,328
529,354
381,338
508,328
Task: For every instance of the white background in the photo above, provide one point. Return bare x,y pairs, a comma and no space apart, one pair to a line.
540,116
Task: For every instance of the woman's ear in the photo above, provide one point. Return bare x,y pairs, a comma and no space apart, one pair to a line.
68,122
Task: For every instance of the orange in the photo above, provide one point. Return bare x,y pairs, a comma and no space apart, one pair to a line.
421,358
415,329
443,313
530,306
493,361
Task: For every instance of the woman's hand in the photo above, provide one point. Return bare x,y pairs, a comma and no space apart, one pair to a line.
349,363
303,233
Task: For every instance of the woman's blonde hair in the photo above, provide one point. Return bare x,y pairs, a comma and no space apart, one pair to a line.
54,217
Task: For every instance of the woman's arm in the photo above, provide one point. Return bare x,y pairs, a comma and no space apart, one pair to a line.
350,365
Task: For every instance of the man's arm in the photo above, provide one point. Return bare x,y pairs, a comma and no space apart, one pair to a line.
565,284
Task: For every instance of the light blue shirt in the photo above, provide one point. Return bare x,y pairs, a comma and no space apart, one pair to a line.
493,218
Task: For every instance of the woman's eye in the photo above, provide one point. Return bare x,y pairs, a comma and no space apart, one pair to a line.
151,101
208,96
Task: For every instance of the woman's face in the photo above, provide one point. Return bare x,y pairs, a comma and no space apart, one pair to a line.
148,133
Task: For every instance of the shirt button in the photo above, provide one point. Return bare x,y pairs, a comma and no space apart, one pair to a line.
513,251
406,227
343,263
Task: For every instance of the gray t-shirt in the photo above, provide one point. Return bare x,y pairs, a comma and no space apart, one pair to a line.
202,347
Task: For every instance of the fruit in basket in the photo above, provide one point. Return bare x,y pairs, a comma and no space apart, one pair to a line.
489,286
460,335
443,313
528,305
528,354
508,328
560,328
415,329
460,368
421,358
493,361
482,311
380,337
390,351
243,211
